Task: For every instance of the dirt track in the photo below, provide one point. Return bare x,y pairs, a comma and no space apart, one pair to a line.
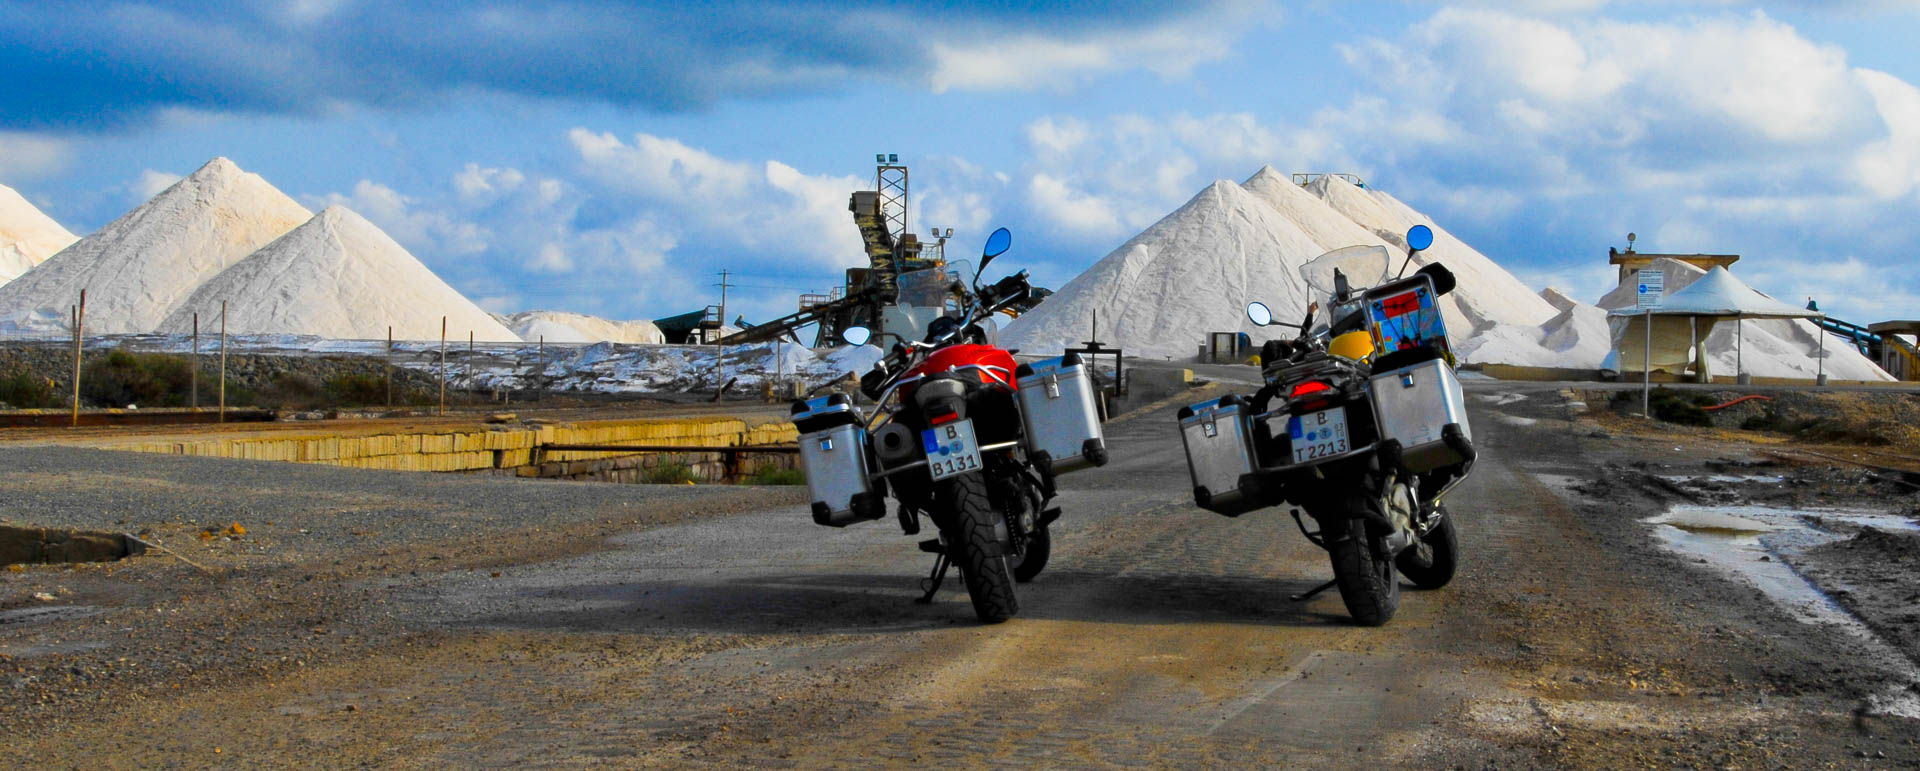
641,626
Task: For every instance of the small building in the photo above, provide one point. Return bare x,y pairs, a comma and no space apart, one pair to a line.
1897,355
1630,260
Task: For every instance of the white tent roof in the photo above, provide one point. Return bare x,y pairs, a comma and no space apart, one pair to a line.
1720,294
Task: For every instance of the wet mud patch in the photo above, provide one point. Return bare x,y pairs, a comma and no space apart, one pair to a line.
1875,574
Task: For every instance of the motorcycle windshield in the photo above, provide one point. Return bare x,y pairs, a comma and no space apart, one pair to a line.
1363,267
990,329
933,287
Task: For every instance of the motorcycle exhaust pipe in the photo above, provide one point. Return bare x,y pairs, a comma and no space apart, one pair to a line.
896,445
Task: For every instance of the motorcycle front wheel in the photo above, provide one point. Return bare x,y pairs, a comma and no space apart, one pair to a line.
973,544
1364,575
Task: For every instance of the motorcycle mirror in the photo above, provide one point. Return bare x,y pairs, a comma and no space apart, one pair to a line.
997,244
1419,237
1259,314
856,335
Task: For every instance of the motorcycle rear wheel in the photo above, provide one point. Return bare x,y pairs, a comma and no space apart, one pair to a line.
973,543
1430,563
1364,575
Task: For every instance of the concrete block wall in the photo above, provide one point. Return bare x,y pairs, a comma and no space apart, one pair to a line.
489,449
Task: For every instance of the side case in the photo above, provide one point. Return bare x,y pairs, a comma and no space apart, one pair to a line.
1218,437
833,453
1061,414
1414,405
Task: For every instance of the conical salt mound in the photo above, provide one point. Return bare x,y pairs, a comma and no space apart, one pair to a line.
1492,296
1189,274
1333,230
27,236
565,327
1324,224
137,269
337,276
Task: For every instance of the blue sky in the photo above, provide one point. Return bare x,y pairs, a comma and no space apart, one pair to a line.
612,157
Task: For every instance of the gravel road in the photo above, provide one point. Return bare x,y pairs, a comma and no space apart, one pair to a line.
431,621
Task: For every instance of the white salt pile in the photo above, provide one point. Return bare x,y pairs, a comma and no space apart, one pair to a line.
27,236
137,269
565,327
337,276
1188,274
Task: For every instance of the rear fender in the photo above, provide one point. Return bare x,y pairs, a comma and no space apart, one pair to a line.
941,394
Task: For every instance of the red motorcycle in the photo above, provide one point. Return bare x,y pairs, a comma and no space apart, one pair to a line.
961,436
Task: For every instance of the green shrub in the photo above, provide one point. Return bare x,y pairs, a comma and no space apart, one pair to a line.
290,391
1683,407
146,379
354,390
23,390
669,474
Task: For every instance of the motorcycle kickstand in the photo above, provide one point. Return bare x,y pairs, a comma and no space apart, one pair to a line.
932,582
1311,593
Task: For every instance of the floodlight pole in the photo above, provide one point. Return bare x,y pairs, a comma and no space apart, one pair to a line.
1820,366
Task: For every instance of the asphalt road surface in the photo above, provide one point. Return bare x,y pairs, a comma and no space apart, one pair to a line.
722,627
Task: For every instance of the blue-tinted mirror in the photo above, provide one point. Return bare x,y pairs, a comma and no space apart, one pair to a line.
856,335
1259,314
1419,237
997,244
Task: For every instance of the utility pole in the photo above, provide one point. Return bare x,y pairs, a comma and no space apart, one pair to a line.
723,296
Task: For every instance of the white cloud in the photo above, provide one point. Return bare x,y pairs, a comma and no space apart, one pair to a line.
769,205
418,229
663,168
151,183
476,185
1042,61
1890,167
1057,202
1057,136
30,156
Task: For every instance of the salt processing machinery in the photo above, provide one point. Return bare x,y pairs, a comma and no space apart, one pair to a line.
905,285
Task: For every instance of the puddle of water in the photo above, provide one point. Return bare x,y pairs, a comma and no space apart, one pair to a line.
1748,542
1709,521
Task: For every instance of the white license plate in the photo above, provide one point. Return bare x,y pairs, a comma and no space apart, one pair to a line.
951,449
1318,435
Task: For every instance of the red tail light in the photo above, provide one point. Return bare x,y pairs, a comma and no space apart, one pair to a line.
943,418
1308,388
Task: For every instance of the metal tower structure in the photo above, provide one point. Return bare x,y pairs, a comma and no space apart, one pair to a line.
890,180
